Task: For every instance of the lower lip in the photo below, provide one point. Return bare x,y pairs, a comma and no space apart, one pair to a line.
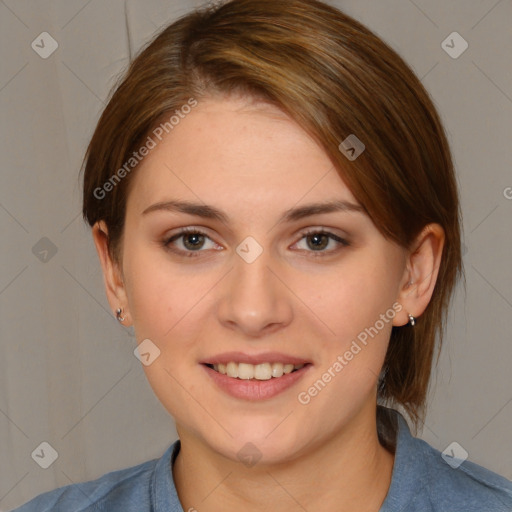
256,390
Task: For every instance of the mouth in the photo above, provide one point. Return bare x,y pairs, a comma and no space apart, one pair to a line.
255,377
256,382
261,371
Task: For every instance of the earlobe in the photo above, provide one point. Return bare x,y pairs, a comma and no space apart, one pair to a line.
420,274
112,275
119,315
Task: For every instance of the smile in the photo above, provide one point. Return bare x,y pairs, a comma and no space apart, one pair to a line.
257,382
263,371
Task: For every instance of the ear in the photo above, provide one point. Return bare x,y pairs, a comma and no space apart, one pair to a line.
112,274
420,275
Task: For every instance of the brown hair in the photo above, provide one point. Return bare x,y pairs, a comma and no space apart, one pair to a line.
335,78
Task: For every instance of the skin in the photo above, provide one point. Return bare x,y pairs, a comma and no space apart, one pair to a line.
253,162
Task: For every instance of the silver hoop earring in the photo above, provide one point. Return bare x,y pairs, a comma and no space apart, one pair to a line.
118,315
412,320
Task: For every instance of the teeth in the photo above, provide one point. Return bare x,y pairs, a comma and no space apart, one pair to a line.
263,371
288,368
231,369
277,370
245,371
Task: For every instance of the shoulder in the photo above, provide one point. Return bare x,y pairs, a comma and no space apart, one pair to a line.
456,484
424,479
126,489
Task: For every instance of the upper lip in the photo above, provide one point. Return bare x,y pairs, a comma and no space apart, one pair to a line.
265,357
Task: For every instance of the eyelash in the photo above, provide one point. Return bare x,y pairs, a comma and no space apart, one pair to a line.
193,254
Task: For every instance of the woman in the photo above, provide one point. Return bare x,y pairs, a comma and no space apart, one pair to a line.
273,202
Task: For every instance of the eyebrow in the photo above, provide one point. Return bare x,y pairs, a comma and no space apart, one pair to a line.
293,214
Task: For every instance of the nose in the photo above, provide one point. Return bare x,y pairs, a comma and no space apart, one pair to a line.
254,299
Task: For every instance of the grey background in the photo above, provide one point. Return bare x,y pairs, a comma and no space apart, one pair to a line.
68,375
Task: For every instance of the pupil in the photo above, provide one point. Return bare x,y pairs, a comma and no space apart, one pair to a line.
198,240
317,238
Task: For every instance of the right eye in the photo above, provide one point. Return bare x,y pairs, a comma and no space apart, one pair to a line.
191,240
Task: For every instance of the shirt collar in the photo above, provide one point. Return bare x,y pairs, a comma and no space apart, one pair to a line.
409,474
163,493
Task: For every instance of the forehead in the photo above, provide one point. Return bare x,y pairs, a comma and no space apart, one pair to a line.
235,151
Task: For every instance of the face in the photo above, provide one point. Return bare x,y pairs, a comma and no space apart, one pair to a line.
256,284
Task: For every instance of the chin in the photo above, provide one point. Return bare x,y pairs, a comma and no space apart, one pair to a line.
258,441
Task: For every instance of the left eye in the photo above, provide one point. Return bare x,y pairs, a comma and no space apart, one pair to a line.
317,241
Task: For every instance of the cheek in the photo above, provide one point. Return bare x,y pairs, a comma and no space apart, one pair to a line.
354,297
165,300
357,307
153,295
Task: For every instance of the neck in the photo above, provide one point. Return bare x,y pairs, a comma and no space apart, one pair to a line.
350,471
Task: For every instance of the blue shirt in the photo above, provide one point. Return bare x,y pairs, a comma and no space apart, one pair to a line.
422,481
